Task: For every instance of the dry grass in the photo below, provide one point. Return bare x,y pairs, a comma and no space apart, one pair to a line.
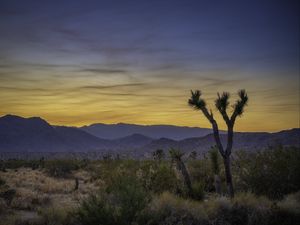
36,191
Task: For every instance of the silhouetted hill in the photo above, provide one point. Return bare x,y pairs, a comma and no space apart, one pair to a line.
249,141
113,131
132,141
34,134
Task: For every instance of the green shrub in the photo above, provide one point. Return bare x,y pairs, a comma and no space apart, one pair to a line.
200,171
248,209
169,209
198,191
121,204
274,172
57,216
163,179
157,177
61,168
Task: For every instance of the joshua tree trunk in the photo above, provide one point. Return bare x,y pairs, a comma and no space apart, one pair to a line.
225,154
228,175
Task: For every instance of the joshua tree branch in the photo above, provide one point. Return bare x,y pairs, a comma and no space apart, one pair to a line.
215,127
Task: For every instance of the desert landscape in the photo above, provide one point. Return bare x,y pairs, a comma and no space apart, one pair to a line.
161,112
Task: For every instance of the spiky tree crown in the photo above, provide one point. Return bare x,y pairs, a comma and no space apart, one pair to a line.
175,154
222,101
196,101
241,103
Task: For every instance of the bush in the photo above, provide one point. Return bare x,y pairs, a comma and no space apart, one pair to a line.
157,177
281,216
291,203
246,209
121,204
200,171
57,216
61,168
8,195
2,182
198,191
169,209
274,172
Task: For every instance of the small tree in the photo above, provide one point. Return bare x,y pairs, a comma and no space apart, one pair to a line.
158,154
222,104
176,157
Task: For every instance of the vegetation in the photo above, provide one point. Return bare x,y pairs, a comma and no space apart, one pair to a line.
214,157
158,154
273,172
119,204
222,104
150,192
176,157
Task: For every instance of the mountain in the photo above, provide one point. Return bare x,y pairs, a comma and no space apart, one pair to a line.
113,131
36,135
249,141
132,141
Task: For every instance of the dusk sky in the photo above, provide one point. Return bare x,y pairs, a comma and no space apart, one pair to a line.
82,62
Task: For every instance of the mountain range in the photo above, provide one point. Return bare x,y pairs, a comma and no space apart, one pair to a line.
120,130
31,135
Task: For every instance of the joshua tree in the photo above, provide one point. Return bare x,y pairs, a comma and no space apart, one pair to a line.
222,104
158,154
176,157
214,158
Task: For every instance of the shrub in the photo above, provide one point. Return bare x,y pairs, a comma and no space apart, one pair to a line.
57,216
283,216
121,203
198,191
157,177
61,168
291,203
169,209
200,171
8,195
274,172
18,163
163,179
2,182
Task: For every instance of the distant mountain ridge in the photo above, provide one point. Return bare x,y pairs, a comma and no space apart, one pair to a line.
113,131
249,141
18,134
35,134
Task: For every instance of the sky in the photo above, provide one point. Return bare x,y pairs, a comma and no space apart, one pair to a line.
82,62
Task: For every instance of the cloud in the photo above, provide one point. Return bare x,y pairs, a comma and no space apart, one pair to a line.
106,71
112,86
